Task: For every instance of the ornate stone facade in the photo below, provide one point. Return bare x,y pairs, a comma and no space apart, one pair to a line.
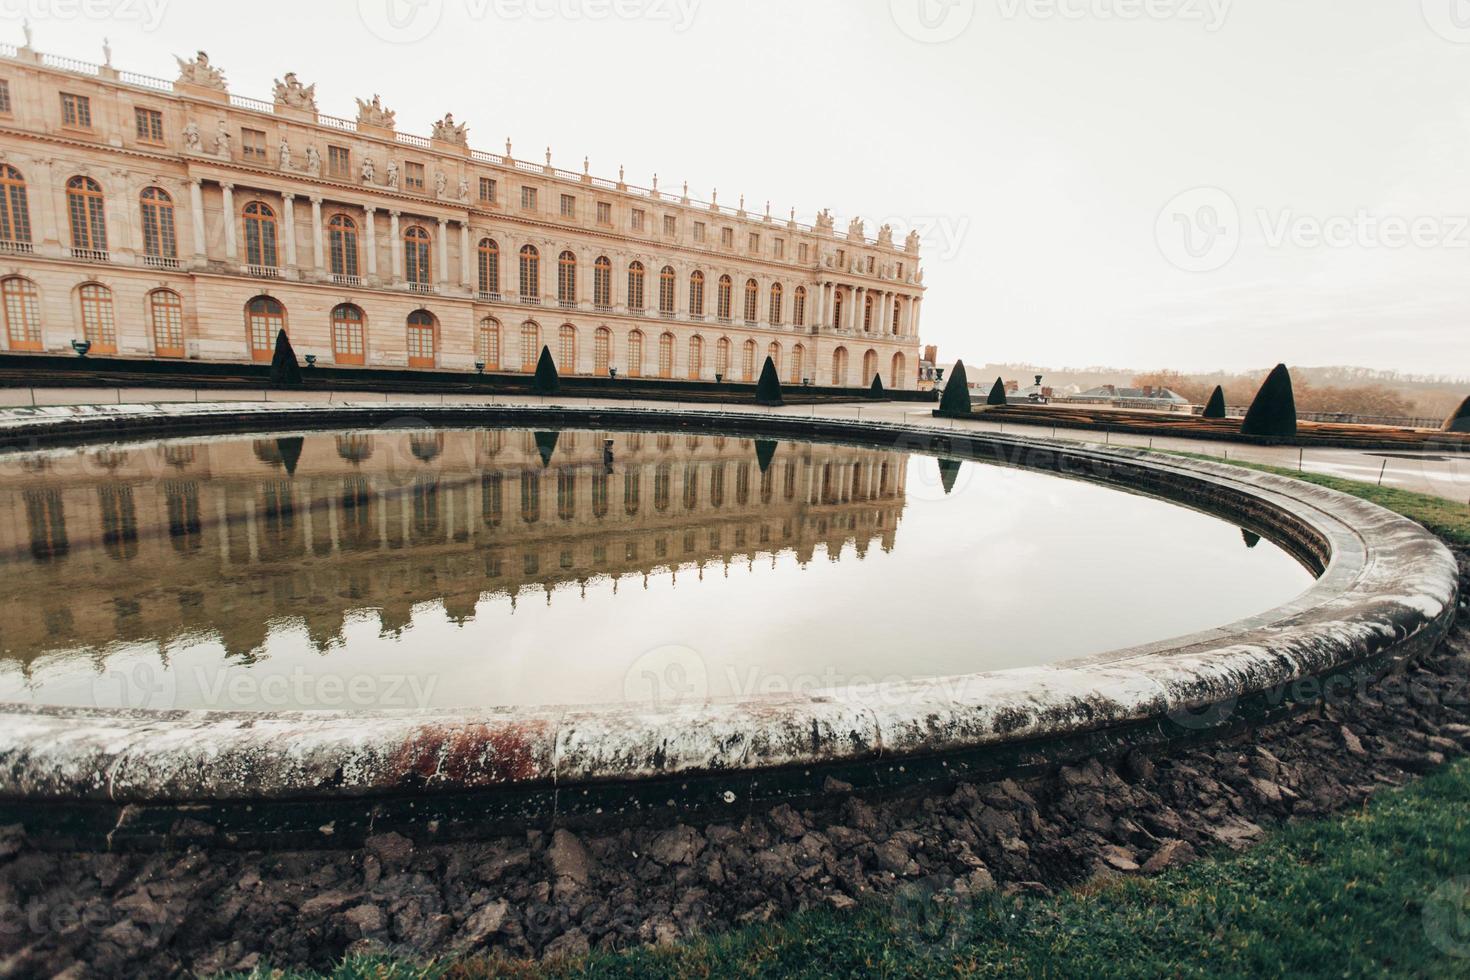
175,219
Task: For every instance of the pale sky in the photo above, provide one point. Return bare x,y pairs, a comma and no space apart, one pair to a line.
1041,146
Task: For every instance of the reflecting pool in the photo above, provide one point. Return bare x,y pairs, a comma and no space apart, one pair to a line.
461,569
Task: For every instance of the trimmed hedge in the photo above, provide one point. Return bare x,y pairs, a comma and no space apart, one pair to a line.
1460,421
768,389
548,381
1273,413
956,400
284,369
997,394
1216,408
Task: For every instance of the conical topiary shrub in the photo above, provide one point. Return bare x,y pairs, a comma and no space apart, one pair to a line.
997,394
546,446
1216,408
765,452
956,400
547,382
949,474
1460,421
1273,413
284,369
1251,538
875,390
768,389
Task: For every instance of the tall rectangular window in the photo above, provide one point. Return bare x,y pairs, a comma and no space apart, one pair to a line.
804,252
638,219
671,226
700,231
413,176
150,125
252,143
487,190
604,213
4,97
727,237
755,243
76,111
780,246
528,198
568,206
339,161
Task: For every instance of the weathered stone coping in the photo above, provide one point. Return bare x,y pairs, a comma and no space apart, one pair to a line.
1387,591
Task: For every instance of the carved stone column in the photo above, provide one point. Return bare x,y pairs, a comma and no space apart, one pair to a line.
288,219
443,256
466,266
370,241
395,246
232,248
318,249
196,215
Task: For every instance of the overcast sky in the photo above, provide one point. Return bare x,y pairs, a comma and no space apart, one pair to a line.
1196,184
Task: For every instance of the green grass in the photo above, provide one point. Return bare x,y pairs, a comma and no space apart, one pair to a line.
1445,518
1383,891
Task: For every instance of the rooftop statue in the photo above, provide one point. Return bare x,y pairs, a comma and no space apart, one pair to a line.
912,243
292,93
885,235
200,72
447,130
373,114
856,230
824,221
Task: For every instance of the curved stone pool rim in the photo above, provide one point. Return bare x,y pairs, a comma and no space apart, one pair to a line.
1387,592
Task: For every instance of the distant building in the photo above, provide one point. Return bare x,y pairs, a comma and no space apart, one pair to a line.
1148,397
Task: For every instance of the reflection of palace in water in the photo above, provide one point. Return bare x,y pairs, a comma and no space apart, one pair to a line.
225,537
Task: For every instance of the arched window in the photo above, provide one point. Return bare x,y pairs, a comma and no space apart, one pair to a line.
635,287
666,283
260,235
798,309
86,208
417,268
488,348
349,338
635,354
166,310
530,275
98,323
666,356
264,318
798,364
839,367
868,314
602,283
602,352
567,362
342,241
747,361
774,353
837,308
530,345
421,324
22,313
752,301
898,378
722,357
15,211
724,298
566,279
159,239
696,357
870,368
696,294
489,268
778,302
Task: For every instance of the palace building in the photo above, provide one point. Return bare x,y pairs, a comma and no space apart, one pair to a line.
174,219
